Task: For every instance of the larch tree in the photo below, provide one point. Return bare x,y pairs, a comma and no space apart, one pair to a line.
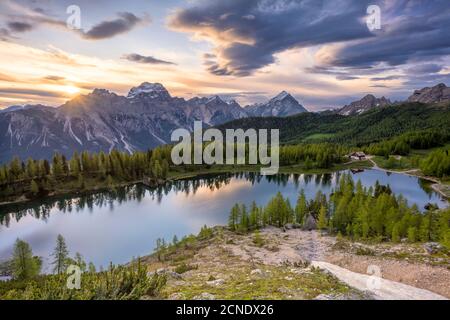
60,255
24,265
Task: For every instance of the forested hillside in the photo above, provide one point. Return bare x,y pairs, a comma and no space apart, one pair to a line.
372,126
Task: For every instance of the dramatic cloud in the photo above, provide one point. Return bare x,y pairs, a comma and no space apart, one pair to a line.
19,26
247,34
108,29
425,68
24,18
134,57
413,32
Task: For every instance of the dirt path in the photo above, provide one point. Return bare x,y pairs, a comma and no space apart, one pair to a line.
381,289
295,245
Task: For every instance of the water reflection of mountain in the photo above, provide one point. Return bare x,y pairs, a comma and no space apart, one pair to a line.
67,204
73,203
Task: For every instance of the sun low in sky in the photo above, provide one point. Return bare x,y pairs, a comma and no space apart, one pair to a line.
70,90
324,53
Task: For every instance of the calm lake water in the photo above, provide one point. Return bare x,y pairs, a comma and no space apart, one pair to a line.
117,226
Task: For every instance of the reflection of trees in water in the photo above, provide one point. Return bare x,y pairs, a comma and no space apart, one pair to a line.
68,204
425,185
115,197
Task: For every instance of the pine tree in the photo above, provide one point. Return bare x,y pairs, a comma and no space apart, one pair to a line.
60,255
322,222
234,217
34,188
244,221
301,207
75,165
24,265
31,168
395,233
254,216
412,234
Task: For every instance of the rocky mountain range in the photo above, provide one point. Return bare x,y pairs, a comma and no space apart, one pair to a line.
436,94
366,103
103,121
145,118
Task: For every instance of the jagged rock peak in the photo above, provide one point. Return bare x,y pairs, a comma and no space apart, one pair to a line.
282,105
281,96
101,92
151,90
215,99
438,93
368,102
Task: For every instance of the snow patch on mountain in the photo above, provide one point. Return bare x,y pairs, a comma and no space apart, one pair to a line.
151,90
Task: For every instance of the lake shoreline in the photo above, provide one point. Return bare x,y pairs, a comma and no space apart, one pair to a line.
436,185
175,176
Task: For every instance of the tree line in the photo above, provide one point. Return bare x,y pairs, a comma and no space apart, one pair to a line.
402,145
436,164
351,210
38,177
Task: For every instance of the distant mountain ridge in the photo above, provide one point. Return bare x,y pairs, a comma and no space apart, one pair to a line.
366,103
146,117
103,121
436,94
282,105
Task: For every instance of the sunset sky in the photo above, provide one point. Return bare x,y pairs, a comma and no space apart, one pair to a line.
320,51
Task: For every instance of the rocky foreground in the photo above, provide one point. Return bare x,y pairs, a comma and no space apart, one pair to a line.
298,264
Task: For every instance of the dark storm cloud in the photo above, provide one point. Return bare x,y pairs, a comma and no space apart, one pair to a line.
125,22
25,18
134,57
411,31
247,34
424,68
418,32
17,26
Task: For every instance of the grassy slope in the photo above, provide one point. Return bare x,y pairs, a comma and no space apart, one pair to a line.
205,260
